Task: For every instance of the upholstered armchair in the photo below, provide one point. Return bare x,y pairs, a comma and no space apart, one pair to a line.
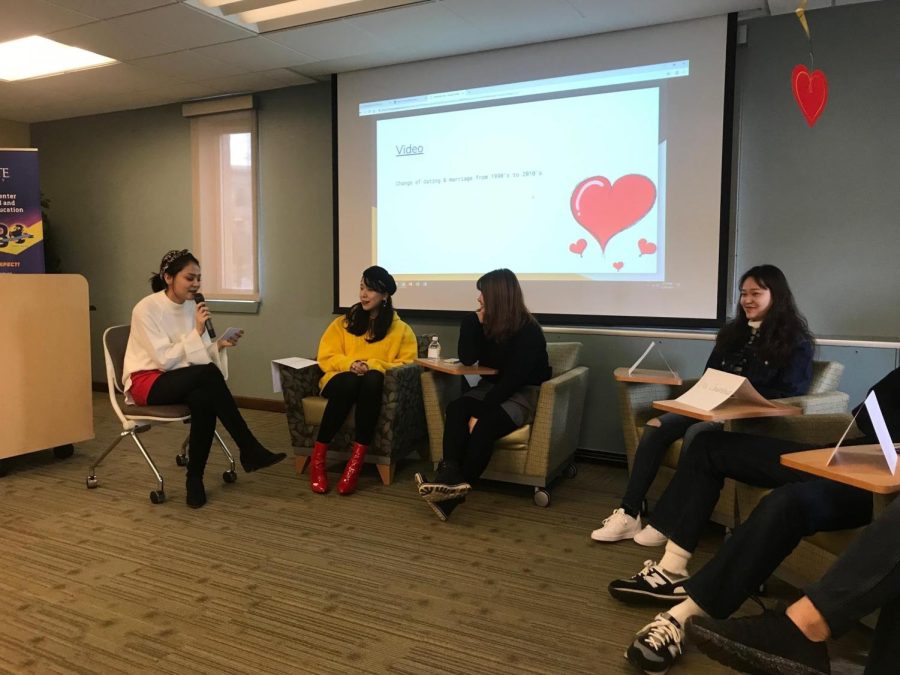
401,424
636,409
535,453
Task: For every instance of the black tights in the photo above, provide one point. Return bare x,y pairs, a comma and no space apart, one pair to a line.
343,391
471,452
203,390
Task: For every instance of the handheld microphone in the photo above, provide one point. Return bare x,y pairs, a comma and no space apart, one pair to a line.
198,298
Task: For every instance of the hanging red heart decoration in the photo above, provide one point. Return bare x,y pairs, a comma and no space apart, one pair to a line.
811,92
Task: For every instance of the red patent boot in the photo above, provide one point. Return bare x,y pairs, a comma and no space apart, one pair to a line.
347,484
318,478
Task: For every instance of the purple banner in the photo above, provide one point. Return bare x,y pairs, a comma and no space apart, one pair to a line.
21,228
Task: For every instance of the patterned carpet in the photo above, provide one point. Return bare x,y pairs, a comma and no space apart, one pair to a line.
270,578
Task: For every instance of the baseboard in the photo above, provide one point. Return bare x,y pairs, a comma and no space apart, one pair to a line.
601,456
249,402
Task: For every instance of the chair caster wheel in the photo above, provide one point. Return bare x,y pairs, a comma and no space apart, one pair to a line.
157,496
64,451
181,460
229,476
91,482
541,497
571,470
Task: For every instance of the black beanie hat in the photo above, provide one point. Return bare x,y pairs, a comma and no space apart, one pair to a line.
378,279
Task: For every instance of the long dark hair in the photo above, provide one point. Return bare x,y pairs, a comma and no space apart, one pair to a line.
505,312
783,328
172,263
359,322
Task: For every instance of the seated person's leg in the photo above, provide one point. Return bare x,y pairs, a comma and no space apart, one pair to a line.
341,392
368,407
493,424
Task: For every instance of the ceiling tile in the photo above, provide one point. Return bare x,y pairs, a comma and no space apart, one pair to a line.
255,53
106,9
331,40
182,26
115,41
35,17
415,26
188,65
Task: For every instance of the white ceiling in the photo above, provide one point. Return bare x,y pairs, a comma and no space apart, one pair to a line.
170,50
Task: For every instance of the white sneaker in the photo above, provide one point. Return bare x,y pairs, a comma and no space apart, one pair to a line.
650,536
617,527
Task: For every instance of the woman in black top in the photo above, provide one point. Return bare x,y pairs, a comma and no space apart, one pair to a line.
501,334
768,342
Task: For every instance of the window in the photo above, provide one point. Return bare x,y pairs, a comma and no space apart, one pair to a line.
225,182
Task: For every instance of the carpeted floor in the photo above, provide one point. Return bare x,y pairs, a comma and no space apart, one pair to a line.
270,578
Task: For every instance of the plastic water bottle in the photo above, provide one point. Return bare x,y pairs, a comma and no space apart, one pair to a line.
434,348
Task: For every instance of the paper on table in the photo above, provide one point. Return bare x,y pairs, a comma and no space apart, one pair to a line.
294,362
641,357
881,432
716,386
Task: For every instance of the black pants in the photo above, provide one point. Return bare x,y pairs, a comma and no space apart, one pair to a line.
799,506
343,391
864,578
203,390
471,452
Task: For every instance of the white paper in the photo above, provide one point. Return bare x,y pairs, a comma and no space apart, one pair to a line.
888,448
295,362
641,357
711,390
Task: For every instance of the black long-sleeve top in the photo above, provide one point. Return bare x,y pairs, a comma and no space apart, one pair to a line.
791,379
521,360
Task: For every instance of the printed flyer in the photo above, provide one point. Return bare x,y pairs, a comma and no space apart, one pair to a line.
21,228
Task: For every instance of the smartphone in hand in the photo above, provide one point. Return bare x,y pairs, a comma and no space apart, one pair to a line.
230,334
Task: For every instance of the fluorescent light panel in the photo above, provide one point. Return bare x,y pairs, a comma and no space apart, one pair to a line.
36,56
292,8
264,16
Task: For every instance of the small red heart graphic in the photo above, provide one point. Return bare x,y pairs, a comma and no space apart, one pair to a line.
811,92
604,209
646,246
578,247
618,265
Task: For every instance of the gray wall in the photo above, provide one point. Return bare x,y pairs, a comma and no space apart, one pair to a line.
14,135
814,201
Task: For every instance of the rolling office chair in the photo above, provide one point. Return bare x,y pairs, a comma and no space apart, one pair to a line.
138,419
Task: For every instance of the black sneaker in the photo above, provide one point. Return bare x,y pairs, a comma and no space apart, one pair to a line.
443,509
657,645
765,643
439,492
651,585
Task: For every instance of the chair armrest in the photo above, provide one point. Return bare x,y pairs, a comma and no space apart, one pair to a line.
557,421
401,423
821,430
298,383
817,404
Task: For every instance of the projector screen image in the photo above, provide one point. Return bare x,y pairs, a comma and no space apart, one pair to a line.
590,167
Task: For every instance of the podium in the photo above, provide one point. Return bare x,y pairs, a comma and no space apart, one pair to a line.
45,367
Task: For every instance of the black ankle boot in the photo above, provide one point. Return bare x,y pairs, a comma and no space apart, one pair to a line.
257,457
196,494
443,509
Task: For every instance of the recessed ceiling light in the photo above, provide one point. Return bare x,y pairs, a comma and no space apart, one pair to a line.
36,56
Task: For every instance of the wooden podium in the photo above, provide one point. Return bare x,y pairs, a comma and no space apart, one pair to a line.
45,367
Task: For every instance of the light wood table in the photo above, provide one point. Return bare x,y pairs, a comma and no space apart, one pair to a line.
731,409
647,376
861,466
454,367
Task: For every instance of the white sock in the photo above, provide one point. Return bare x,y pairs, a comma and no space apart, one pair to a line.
675,559
685,610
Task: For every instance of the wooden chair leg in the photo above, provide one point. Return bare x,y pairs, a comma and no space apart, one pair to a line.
301,462
386,471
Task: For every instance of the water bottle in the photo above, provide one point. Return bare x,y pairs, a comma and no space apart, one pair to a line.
434,348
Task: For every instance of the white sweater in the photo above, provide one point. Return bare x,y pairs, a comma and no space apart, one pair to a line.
164,337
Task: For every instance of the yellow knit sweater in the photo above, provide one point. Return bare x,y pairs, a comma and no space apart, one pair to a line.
339,348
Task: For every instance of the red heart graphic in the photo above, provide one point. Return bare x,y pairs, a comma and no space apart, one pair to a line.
578,247
646,246
811,92
618,265
604,209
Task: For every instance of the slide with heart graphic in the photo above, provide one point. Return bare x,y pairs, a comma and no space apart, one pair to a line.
562,187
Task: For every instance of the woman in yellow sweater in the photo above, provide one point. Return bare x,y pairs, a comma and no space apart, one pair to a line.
354,353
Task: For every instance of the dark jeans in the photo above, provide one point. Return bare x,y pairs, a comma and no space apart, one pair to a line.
471,452
343,391
650,452
799,506
203,390
864,578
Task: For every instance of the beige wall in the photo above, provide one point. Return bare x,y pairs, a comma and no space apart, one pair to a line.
14,134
